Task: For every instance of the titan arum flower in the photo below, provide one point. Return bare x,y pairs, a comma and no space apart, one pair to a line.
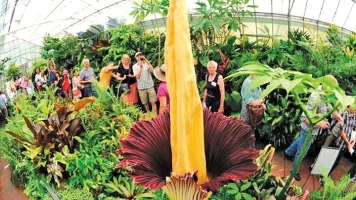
228,152
187,151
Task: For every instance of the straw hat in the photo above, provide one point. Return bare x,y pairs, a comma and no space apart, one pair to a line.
160,73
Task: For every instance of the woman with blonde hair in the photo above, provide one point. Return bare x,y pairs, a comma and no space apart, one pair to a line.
129,85
76,85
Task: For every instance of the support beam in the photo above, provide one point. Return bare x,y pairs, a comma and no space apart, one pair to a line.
337,8
348,15
253,1
55,8
12,15
106,7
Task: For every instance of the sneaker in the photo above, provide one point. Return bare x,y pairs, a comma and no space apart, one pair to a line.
297,177
291,158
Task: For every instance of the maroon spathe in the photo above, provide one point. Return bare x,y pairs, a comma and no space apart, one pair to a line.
228,151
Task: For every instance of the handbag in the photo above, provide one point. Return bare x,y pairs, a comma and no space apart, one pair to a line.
29,90
255,115
124,87
77,93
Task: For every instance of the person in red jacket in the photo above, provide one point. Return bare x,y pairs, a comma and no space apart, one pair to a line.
66,86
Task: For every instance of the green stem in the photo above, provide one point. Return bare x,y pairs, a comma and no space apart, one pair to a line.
303,151
299,160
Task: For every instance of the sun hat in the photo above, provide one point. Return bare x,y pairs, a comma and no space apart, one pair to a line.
138,53
160,73
65,72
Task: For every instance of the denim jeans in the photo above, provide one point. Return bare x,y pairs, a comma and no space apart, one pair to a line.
296,147
87,92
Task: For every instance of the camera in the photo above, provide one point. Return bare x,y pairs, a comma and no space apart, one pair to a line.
142,58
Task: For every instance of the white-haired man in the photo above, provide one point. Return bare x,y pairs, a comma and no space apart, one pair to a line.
86,77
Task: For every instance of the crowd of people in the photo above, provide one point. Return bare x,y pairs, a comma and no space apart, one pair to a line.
133,82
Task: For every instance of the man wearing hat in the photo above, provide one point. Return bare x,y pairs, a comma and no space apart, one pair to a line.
142,71
162,91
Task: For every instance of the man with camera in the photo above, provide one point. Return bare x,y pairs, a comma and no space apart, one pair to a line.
142,71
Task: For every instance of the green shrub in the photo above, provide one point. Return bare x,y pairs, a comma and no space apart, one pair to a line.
70,193
335,191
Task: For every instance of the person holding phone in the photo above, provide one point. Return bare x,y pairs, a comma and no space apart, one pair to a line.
142,71
51,70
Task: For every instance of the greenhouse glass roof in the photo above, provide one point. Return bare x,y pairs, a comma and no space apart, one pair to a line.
29,20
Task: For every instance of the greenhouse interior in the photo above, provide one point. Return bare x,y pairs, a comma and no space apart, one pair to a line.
177,99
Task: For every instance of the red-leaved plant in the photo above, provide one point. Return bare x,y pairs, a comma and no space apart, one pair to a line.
228,151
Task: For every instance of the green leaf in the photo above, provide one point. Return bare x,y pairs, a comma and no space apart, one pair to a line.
254,184
275,121
78,139
245,186
215,24
233,26
290,85
260,80
343,99
238,196
232,192
48,147
255,66
278,190
65,150
327,81
246,196
35,152
233,186
272,86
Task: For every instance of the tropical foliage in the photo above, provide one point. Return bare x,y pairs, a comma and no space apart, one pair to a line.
50,145
299,85
332,190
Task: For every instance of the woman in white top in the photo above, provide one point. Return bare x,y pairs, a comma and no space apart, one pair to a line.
76,85
38,80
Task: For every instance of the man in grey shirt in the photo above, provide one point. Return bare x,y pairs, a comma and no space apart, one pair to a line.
86,77
3,106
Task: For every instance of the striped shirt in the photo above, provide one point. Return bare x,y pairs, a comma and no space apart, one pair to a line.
348,126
